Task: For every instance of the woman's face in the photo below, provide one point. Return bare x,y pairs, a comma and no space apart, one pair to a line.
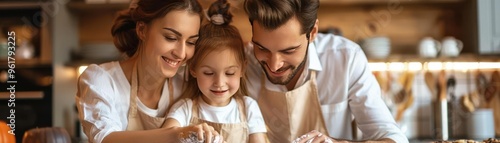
218,76
168,42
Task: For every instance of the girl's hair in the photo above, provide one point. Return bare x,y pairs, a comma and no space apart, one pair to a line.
123,30
217,35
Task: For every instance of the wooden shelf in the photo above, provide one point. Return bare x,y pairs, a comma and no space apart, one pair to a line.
358,2
21,5
416,58
77,63
26,63
82,7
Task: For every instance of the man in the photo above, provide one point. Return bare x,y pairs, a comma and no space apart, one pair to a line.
316,84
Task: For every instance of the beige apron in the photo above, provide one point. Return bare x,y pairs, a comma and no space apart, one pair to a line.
291,114
138,120
232,132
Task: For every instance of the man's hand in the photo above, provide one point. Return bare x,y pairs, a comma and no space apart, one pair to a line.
314,137
317,137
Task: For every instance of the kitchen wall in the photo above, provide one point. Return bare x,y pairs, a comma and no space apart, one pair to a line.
65,38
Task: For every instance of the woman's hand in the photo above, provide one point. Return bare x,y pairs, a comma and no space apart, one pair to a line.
314,137
203,133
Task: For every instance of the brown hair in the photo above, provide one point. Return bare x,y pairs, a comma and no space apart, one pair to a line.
217,37
272,14
123,31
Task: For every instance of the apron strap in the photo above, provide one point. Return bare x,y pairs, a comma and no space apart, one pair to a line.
313,76
241,108
263,80
195,108
133,93
170,93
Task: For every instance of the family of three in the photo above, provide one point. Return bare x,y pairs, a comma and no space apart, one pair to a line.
189,77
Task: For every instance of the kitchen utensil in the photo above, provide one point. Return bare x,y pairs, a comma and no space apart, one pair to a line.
442,85
467,104
481,84
451,47
404,97
430,81
441,109
450,88
475,99
429,47
383,81
491,90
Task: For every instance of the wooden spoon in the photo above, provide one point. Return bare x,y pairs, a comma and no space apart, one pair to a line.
492,87
442,86
405,94
431,83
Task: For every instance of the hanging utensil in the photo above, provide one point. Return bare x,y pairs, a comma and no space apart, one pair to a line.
442,86
450,88
491,88
430,81
405,96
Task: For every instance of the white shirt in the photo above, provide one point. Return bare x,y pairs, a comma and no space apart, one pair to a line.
182,112
346,89
103,100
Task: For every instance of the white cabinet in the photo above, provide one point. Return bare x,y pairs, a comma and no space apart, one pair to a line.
489,26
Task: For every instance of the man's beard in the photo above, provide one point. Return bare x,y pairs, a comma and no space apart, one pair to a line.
287,78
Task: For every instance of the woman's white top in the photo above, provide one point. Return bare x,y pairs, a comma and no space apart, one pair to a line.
103,100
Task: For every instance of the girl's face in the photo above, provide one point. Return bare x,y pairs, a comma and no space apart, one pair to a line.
218,76
168,42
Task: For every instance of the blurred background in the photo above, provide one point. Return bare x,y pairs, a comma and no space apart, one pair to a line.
421,51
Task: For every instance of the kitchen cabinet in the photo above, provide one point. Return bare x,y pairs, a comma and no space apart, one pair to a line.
488,26
31,97
404,22
93,27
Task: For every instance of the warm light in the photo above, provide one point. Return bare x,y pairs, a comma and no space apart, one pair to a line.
397,66
81,69
489,65
414,66
378,66
433,66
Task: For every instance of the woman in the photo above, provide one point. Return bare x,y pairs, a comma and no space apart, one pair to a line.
127,101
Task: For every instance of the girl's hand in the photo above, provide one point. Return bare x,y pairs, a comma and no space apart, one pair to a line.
202,133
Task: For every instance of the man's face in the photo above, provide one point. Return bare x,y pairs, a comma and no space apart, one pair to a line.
281,52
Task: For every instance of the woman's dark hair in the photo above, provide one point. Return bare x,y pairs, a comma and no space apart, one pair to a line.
123,30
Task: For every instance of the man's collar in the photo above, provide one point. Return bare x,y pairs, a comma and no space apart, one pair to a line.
313,59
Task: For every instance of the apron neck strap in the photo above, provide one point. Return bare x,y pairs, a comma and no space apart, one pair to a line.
170,92
241,108
196,107
133,91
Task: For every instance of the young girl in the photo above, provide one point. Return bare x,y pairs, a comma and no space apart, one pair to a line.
216,87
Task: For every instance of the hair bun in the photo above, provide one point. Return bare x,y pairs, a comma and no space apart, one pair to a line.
219,13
